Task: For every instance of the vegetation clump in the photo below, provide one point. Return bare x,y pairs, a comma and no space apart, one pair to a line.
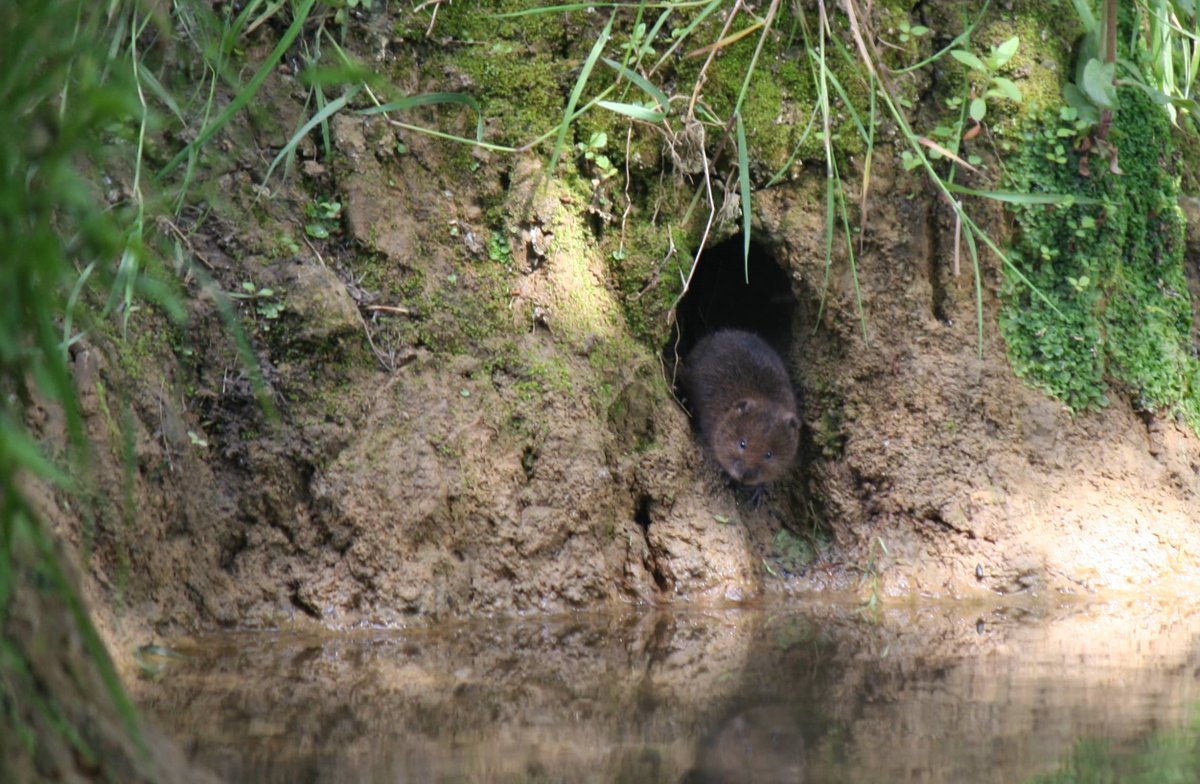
1109,264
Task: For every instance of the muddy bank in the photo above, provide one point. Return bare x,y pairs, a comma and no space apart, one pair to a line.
472,378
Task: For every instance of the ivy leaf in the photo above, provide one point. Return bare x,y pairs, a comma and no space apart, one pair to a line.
969,60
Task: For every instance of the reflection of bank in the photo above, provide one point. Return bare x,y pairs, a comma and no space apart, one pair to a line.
757,746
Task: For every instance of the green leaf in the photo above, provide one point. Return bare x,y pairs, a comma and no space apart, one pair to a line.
1076,99
919,30
1159,97
299,19
658,95
580,82
334,75
744,187
969,60
1005,51
636,111
1098,83
1013,197
1086,18
978,110
430,99
1008,88
20,451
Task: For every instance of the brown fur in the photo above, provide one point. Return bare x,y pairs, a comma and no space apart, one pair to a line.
740,394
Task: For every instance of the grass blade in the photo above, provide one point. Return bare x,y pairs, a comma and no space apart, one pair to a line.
588,65
249,91
744,188
634,111
646,86
430,99
325,113
1012,197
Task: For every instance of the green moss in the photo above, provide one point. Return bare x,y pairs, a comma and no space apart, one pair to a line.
1113,270
648,276
519,90
513,66
781,94
1042,61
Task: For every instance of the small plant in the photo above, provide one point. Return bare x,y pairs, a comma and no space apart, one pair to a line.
1093,92
265,304
323,215
989,67
593,152
498,249
286,246
639,44
909,32
345,6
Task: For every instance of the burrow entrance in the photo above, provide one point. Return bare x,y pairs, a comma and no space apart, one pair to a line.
727,291
756,294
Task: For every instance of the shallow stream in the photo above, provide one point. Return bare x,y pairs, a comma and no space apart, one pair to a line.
1080,692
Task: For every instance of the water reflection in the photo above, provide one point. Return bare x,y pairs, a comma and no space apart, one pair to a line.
1100,692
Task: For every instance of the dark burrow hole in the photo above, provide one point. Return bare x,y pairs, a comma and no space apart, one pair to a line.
641,514
719,297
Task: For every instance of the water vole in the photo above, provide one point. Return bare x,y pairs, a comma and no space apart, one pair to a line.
739,392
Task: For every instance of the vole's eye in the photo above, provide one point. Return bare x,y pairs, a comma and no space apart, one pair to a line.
742,444
770,454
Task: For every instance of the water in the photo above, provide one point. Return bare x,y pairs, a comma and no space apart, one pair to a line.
1103,692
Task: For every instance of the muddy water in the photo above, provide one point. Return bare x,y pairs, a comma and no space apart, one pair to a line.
1105,691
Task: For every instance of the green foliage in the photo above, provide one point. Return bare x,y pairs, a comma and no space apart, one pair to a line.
60,90
909,32
324,218
264,300
593,152
498,249
1112,269
989,68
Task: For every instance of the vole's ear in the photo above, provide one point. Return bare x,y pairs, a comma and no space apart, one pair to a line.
792,422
